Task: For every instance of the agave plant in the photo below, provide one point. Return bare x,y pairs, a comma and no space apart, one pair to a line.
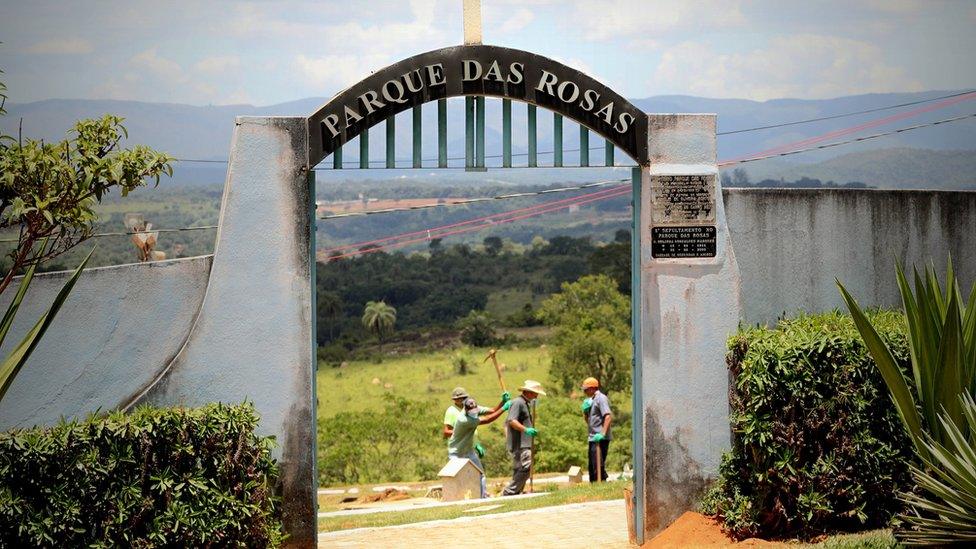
935,402
12,364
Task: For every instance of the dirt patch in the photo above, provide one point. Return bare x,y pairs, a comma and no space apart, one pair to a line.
697,530
390,494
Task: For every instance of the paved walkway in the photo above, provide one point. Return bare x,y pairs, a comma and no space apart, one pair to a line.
594,524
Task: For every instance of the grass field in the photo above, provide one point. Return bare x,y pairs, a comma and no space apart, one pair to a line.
362,384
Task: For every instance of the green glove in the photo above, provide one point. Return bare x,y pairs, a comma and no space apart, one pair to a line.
507,405
587,404
480,450
506,396
598,437
531,431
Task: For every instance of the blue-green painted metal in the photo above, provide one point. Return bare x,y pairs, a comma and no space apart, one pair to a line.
313,359
531,116
506,133
608,153
337,159
442,133
637,430
479,110
364,150
391,142
468,132
584,146
557,140
417,141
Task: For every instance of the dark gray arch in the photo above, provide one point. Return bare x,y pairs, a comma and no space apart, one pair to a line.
451,72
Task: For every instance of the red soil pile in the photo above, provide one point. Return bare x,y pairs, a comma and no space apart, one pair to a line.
390,494
697,530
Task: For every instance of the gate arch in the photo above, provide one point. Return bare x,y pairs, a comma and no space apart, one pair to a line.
477,70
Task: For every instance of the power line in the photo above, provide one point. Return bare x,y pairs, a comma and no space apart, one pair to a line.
803,143
462,201
98,235
566,189
489,219
963,95
845,115
848,142
616,193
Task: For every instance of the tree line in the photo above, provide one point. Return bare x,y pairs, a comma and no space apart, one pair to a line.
440,287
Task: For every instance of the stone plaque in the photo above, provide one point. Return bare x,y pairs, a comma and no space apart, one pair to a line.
682,199
682,242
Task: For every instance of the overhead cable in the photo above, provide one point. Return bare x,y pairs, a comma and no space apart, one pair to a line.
964,96
848,142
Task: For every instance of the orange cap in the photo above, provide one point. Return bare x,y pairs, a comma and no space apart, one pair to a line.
591,382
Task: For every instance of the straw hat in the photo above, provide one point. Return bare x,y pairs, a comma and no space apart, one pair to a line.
458,392
532,386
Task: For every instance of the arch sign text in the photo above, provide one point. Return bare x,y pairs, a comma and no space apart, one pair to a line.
478,70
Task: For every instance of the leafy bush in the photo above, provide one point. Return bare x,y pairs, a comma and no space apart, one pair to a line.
817,445
401,442
478,329
171,477
592,322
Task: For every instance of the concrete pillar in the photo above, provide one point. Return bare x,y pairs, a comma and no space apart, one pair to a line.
252,339
689,284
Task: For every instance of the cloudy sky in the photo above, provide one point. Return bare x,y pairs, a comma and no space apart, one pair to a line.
266,52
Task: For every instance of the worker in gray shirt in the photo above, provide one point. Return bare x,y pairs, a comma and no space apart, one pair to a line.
596,413
519,433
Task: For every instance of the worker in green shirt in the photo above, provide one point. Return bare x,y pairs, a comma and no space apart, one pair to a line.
459,395
462,442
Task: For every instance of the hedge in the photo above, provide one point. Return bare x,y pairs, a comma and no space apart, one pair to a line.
817,444
157,477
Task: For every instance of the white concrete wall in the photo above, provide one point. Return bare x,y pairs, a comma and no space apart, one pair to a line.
117,330
791,244
234,327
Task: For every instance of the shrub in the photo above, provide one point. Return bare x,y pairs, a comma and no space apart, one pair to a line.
172,477
816,443
401,442
592,322
477,329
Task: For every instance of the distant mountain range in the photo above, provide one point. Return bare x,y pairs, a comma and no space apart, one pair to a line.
939,157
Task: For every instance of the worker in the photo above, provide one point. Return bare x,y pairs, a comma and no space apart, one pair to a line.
519,432
459,395
462,441
596,413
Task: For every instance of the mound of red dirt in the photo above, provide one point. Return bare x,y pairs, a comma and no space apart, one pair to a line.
697,530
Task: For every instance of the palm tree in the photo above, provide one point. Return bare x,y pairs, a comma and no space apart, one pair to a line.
378,317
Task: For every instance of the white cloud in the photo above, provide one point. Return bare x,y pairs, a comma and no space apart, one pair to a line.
217,63
336,71
616,19
151,62
61,46
517,21
806,66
